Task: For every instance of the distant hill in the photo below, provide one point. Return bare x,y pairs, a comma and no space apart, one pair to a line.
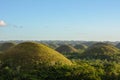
29,54
1,53
80,46
6,46
100,50
52,45
66,49
118,45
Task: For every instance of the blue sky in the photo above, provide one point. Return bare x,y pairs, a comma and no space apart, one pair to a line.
97,20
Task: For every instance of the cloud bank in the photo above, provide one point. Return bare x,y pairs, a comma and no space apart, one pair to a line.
2,23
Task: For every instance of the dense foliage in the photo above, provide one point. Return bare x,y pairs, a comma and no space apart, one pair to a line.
83,70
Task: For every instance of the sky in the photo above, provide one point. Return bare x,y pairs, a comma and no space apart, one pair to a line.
89,20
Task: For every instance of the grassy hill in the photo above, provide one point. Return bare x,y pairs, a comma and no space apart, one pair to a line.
6,46
30,54
51,45
66,49
101,50
80,46
118,45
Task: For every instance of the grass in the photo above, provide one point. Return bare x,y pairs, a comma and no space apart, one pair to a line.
66,49
30,54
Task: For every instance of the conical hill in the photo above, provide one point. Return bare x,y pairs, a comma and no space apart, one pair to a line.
80,46
29,54
101,51
118,45
102,48
6,46
66,49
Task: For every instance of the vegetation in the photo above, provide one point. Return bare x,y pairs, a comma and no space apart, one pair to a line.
27,55
33,61
101,51
53,46
6,46
80,46
118,45
66,49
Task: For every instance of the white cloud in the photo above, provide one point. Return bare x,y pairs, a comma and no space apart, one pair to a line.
2,23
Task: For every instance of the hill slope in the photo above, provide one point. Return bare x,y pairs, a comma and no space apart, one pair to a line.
118,45
29,54
66,49
6,46
101,50
80,46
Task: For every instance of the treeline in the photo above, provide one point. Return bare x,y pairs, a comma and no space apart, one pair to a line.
81,70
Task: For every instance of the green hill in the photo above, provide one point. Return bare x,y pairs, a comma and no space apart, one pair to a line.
80,46
1,53
118,45
101,50
66,49
30,54
51,45
6,46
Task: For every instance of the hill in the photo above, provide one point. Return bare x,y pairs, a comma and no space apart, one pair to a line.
66,49
101,51
118,45
51,45
6,46
80,46
30,54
